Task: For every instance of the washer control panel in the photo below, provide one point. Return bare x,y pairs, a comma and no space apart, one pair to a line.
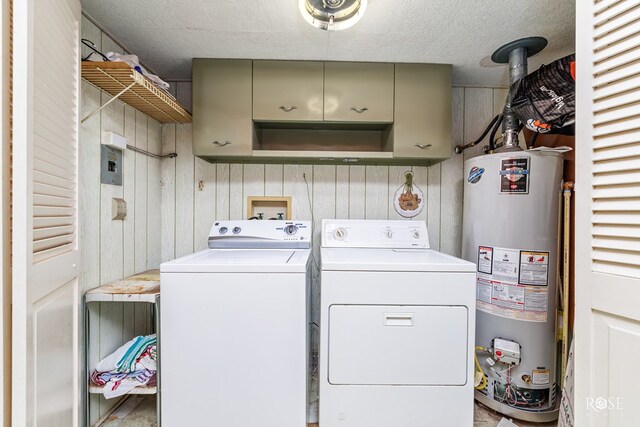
253,234
338,233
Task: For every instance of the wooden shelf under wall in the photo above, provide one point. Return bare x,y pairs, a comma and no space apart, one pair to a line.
144,96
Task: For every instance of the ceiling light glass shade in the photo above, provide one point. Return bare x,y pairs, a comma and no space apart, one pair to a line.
332,14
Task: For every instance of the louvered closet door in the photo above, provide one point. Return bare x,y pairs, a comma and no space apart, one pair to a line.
607,333
46,388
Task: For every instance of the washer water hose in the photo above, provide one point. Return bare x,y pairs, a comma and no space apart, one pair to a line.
492,137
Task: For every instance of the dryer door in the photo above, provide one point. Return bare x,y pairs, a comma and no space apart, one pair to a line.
398,345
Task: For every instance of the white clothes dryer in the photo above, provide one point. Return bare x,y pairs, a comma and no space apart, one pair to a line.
397,328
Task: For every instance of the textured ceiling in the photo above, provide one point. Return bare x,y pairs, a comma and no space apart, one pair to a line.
167,34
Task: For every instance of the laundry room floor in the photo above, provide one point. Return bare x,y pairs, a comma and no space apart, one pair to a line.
144,415
485,417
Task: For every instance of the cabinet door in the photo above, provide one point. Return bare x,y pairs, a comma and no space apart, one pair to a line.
422,126
286,91
222,123
358,92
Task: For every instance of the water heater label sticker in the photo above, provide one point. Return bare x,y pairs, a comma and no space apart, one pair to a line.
536,300
540,376
484,290
475,173
505,265
506,295
485,259
534,268
513,283
514,176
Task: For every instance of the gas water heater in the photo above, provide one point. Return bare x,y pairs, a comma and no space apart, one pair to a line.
510,230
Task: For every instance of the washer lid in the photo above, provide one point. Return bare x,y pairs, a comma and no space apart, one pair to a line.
370,259
240,261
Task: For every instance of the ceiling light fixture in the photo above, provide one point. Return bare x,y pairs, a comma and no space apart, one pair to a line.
332,15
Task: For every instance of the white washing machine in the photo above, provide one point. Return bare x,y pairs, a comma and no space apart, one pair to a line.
234,328
397,328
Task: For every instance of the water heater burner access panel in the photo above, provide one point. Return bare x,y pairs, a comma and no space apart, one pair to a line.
272,234
342,233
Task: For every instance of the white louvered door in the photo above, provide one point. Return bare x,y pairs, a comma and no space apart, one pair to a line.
46,304
607,331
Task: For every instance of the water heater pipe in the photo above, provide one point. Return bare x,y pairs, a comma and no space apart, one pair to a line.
516,54
510,123
567,191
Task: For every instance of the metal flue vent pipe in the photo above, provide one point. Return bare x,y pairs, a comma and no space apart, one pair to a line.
516,54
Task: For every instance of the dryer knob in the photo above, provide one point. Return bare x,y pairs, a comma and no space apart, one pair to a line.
236,230
388,234
223,230
339,233
416,234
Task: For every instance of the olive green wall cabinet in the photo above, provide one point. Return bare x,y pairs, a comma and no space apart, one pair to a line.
313,112
222,124
287,91
358,92
422,122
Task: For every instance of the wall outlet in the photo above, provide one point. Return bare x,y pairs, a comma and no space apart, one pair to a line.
118,209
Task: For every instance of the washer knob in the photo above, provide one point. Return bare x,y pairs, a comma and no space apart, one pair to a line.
291,229
339,233
416,234
223,230
236,230
388,234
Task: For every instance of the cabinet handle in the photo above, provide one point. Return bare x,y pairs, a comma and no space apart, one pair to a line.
287,109
422,146
359,110
221,144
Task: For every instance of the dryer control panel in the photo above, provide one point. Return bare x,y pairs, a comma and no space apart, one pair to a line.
248,234
374,234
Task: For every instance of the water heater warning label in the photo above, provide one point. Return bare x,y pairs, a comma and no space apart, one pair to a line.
534,268
513,283
485,259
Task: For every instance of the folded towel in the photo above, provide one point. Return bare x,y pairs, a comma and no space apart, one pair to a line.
124,359
131,365
134,63
131,356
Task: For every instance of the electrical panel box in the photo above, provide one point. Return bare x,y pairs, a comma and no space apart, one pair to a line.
110,165
506,351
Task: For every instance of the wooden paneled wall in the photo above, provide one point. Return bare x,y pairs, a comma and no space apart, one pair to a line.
109,249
